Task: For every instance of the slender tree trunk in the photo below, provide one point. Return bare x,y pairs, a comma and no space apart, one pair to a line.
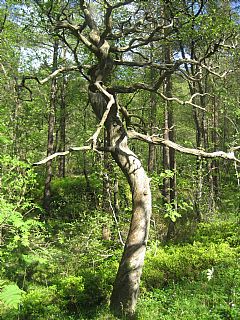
213,164
62,129
153,116
85,162
115,197
106,191
194,71
208,180
169,161
200,138
51,126
199,167
15,122
152,147
106,188
215,140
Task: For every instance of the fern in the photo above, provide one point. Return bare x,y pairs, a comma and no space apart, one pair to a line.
2,283
11,295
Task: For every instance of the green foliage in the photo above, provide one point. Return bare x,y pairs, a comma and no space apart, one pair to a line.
40,302
20,228
218,232
171,213
17,179
190,300
16,205
71,197
71,289
178,263
69,295
174,210
192,281
62,268
11,295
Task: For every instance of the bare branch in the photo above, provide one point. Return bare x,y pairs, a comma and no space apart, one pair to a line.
108,21
76,31
63,153
235,148
53,74
72,149
105,115
123,3
140,42
88,17
154,139
133,88
142,64
189,102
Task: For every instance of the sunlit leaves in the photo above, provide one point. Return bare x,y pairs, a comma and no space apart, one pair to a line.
11,295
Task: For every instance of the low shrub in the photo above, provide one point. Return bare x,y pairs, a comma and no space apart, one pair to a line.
214,299
177,263
218,232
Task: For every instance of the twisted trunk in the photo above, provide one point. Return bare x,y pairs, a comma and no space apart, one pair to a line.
126,286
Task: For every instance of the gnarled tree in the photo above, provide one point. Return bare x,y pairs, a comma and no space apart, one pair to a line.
118,35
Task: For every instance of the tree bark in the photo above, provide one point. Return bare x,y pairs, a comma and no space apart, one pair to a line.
153,116
51,127
126,286
169,160
62,129
106,191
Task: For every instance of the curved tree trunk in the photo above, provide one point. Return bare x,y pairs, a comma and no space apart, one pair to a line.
126,286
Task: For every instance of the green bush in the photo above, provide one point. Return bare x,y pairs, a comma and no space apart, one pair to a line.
217,232
98,283
70,295
41,303
177,263
71,196
205,298
186,302
21,230
71,289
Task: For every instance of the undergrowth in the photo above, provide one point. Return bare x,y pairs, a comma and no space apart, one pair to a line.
63,269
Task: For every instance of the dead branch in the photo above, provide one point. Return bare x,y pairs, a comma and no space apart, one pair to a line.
211,71
105,114
63,153
155,139
189,102
52,75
